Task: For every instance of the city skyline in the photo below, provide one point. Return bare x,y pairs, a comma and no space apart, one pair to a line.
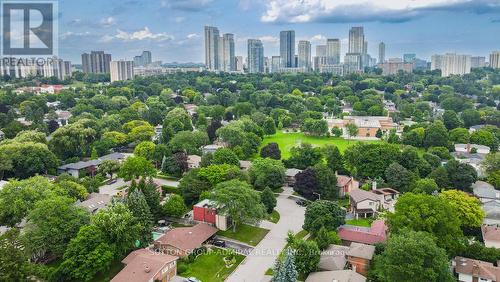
453,27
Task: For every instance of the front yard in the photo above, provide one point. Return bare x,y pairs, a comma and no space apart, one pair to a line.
210,267
245,233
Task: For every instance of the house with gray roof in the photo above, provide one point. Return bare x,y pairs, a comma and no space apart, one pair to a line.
89,167
337,276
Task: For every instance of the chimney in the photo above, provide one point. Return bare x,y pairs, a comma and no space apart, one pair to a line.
374,185
147,269
475,269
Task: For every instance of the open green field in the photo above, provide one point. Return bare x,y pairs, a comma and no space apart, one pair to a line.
286,141
245,233
210,267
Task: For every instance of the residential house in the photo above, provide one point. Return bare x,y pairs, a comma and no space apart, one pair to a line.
146,265
389,197
95,202
63,117
473,159
359,257
210,148
333,258
346,184
476,127
207,211
471,270
88,167
182,241
377,233
290,174
158,131
191,109
364,203
245,165
335,276
491,235
490,199
193,161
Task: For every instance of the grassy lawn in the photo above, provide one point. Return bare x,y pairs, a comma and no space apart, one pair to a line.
365,222
286,141
245,233
210,267
274,217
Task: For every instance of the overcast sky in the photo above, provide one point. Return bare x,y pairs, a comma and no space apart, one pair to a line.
173,29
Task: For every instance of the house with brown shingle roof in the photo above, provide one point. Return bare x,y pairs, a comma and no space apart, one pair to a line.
182,241
146,265
475,270
491,236
346,184
364,203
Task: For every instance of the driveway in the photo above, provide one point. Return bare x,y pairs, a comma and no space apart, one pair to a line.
112,189
265,253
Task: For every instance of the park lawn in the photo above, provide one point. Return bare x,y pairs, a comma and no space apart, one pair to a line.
210,267
245,233
287,141
274,217
365,222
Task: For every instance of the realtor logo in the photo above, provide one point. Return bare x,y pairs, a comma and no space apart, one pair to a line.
29,28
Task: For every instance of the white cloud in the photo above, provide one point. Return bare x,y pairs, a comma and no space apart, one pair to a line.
108,21
69,34
144,34
318,39
192,35
299,11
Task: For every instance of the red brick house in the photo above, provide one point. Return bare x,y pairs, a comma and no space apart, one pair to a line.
207,211
377,233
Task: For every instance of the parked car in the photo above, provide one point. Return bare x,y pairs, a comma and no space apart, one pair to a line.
219,243
112,181
192,279
301,203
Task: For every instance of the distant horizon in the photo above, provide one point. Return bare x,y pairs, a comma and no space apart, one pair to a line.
173,29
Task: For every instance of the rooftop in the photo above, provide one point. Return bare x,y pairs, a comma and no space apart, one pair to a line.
372,235
361,251
490,233
359,195
187,238
333,258
336,275
477,268
143,265
95,202
291,172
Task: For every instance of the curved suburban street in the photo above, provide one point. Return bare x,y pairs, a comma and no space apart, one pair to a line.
265,253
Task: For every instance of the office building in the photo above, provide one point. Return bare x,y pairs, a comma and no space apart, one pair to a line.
238,63
228,52
96,62
420,64
275,63
394,66
356,40
121,70
212,48
381,52
352,63
255,56
320,59
477,62
495,60
143,60
451,64
357,45
333,51
304,57
287,48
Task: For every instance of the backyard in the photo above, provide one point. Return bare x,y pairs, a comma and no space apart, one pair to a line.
286,141
245,233
210,267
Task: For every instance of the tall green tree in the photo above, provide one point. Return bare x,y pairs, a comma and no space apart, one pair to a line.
14,262
268,199
285,271
412,256
323,213
267,173
135,167
436,135
239,201
307,256
136,203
